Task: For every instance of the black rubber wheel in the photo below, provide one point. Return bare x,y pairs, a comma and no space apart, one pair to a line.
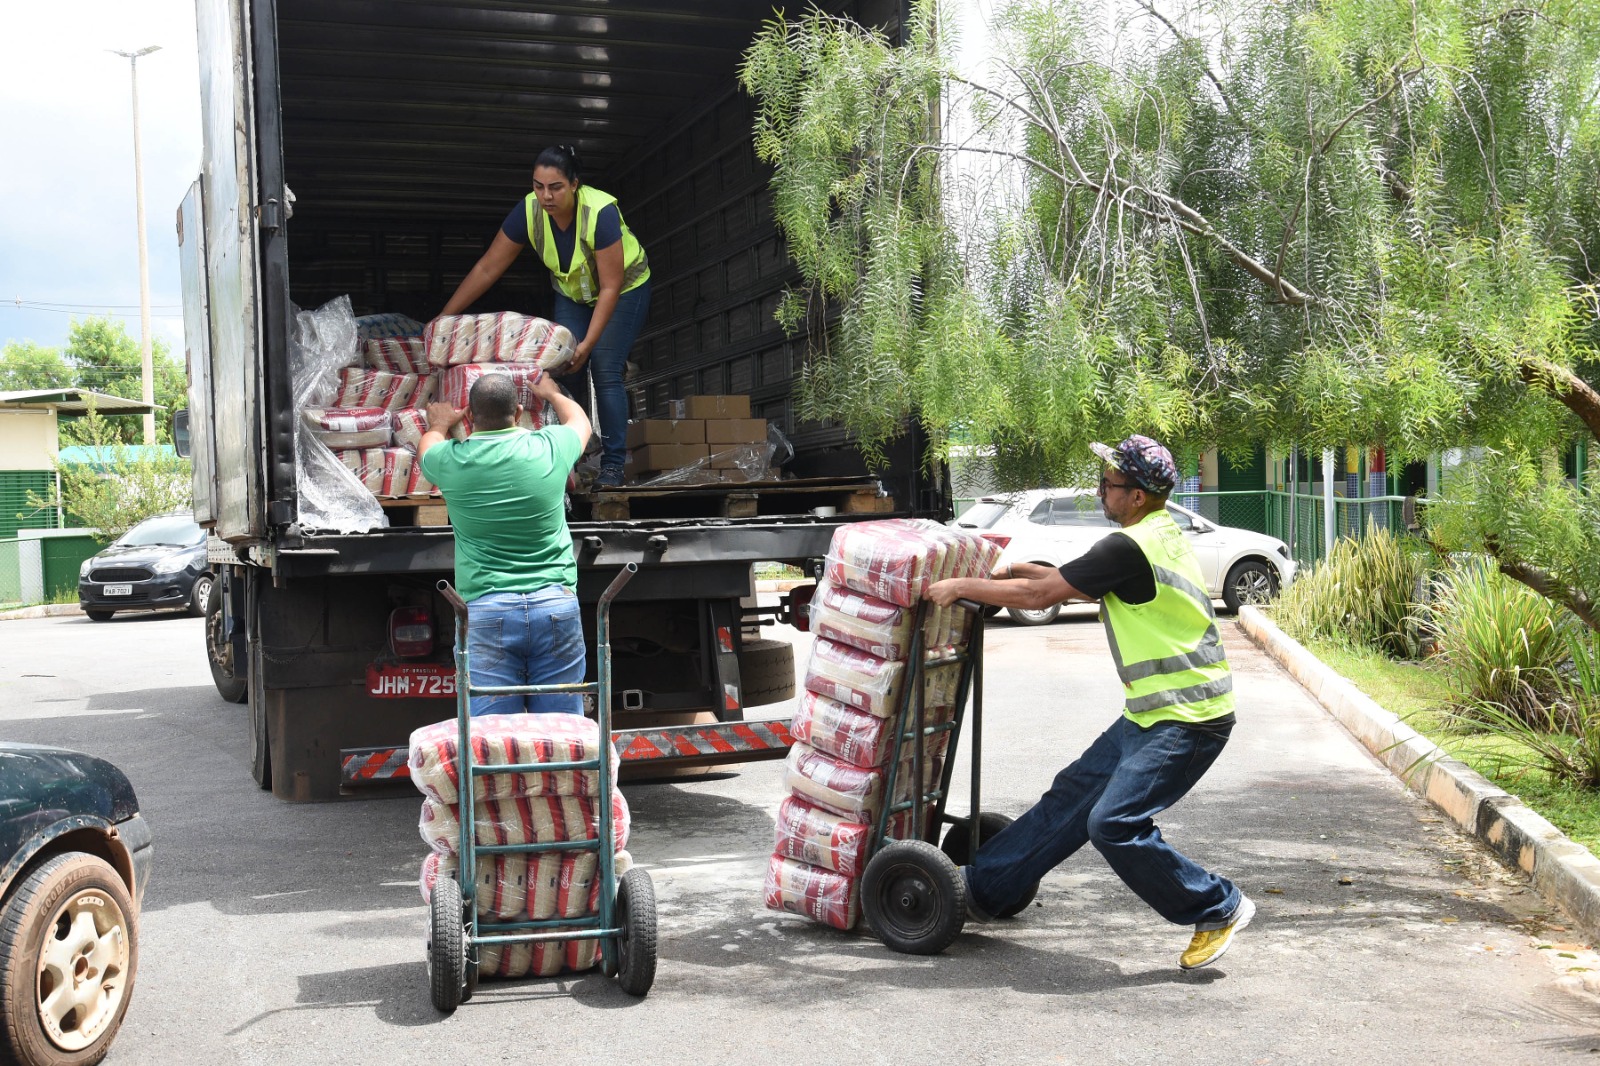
1250,581
1034,618
766,672
914,897
636,947
68,925
447,953
955,846
99,616
200,596
232,683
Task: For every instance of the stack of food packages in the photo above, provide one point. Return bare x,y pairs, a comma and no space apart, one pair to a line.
521,808
862,618
378,413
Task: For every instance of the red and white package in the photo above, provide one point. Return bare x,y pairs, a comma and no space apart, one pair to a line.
420,486
403,355
809,834
854,677
503,739
455,387
851,791
365,387
409,426
438,864
350,427
875,626
384,471
856,737
501,337
886,560
524,820
811,891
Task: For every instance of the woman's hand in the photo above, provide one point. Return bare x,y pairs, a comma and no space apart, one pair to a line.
585,346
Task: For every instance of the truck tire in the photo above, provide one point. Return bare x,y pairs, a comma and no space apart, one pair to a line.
232,683
766,672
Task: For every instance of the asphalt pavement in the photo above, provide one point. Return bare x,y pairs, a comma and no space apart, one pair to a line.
277,933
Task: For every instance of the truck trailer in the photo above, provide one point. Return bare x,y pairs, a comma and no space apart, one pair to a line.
370,149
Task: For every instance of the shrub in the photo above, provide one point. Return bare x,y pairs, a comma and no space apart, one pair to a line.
1360,595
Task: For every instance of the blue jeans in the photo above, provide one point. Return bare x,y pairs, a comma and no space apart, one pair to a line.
1109,798
526,638
607,361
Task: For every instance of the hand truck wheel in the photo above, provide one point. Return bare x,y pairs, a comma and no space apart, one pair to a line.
914,897
447,952
636,947
955,846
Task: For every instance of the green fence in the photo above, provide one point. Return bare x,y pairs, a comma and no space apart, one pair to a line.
10,572
15,511
60,558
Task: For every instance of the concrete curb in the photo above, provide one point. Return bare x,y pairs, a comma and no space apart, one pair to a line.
43,610
1562,871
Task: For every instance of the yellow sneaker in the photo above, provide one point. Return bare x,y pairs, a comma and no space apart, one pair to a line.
1208,945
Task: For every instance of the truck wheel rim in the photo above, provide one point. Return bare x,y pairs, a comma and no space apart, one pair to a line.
83,970
221,650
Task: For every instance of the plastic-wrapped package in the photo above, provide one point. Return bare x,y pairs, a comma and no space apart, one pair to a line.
504,739
885,560
455,388
809,834
409,426
827,782
420,486
822,895
858,738
875,626
364,387
350,427
384,471
854,677
401,355
523,820
387,324
329,496
501,337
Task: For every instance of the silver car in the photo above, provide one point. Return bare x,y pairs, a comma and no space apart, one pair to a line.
1055,526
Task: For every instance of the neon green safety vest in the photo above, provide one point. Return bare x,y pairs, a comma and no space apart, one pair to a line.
581,280
1168,651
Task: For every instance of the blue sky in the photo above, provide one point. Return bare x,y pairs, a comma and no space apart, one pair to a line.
67,220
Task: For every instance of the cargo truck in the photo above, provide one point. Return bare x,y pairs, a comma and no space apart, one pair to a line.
370,148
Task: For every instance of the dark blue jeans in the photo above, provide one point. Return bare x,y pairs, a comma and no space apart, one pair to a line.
526,638
1109,798
607,361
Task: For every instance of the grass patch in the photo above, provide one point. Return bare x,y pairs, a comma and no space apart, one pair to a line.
778,572
1420,693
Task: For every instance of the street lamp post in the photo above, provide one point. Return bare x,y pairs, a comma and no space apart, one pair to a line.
148,389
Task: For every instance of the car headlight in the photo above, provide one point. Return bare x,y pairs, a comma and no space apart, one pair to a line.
171,564
83,568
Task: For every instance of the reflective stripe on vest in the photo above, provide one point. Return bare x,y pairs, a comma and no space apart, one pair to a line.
581,280
1168,651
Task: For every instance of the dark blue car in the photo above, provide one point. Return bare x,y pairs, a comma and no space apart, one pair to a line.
159,564
74,858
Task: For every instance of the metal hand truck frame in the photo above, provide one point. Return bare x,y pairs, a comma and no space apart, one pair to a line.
626,922
912,892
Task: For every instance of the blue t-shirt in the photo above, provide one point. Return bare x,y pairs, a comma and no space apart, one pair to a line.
607,230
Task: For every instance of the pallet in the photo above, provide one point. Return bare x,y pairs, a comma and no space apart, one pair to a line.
416,510
738,500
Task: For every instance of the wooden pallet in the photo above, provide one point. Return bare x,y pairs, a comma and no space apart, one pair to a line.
416,511
742,500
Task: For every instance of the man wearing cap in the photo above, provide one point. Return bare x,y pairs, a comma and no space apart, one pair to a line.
1176,718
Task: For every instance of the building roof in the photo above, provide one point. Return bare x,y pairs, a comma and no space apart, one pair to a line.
105,456
76,401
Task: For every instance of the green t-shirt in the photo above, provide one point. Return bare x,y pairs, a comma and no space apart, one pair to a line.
506,490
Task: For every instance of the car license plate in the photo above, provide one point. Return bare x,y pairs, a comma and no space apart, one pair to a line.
395,681
116,590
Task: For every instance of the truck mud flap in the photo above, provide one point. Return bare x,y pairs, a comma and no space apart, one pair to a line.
711,744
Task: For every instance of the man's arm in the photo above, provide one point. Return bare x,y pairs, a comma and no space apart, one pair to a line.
568,413
441,419
1026,585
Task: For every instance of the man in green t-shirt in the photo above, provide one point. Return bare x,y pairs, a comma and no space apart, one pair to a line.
506,490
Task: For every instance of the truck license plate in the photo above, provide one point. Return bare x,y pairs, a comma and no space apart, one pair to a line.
116,590
395,681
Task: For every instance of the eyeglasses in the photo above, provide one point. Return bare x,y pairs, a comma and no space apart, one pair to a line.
1105,484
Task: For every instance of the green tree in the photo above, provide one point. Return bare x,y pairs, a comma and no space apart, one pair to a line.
122,488
1225,224
26,365
106,359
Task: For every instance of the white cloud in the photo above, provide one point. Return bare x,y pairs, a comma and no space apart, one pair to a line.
67,220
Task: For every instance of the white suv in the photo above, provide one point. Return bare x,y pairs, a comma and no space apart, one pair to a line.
1055,526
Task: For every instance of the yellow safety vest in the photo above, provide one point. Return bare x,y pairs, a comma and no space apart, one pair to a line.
581,280
1168,651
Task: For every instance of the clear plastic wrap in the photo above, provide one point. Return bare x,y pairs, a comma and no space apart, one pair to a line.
350,427
330,497
736,462
386,472
875,626
884,560
421,486
409,426
399,355
854,677
855,737
524,820
819,894
501,337
809,834
855,792
455,389
361,386
387,324
504,739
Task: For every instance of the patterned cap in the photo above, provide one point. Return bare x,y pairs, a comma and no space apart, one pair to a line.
1146,461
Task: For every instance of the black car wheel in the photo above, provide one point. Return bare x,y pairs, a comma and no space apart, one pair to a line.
200,596
1250,581
99,616
232,682
69,947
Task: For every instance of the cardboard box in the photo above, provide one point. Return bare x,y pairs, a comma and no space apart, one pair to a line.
710,407
667,456
666,431
735,431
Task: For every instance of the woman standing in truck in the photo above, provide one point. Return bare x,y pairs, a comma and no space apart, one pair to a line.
601,279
